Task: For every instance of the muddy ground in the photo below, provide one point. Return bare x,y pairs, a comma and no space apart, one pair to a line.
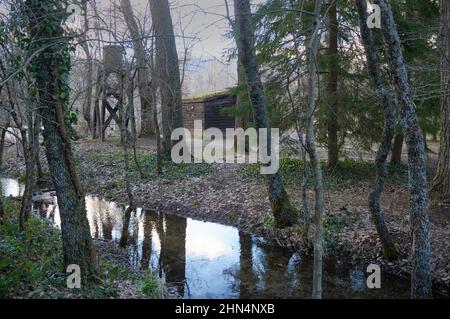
235,195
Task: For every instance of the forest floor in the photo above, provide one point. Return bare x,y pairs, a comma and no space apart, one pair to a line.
31,264
235,194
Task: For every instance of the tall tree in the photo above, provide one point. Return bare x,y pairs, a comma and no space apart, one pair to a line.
50,69
22,118
421,249
125,137
284,213
147,103
2,146
441,183
332,85
87,103
389,249
167,71
313,94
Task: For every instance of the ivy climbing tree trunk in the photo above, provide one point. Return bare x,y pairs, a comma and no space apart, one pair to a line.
50,70
421,250
284,213
389,250
440,189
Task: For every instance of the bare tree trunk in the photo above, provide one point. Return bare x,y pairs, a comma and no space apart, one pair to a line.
76,237
87,105
239,118
311,149
159,165
2,213
125,140
154,88
26,149
332,86
36,146
421,265
167,71
284,213
397,146
2,148
25,209
389,250
440,189
132,118
2,144
299,128
147,104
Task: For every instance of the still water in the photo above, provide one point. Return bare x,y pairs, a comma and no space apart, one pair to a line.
208,260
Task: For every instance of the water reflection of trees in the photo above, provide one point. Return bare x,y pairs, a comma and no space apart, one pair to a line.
171,232
107,225
264,271
247,277
147,240
173,251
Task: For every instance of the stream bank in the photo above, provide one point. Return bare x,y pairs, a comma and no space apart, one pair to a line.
233,195
31,265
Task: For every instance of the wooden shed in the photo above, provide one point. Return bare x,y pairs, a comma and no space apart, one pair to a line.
209,109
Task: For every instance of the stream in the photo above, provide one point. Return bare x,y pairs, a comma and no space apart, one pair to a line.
208,260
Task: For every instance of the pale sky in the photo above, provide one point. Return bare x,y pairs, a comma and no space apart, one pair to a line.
202,27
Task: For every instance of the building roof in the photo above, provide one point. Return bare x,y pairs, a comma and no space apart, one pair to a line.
207,96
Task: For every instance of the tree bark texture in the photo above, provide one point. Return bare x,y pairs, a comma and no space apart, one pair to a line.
75,231
332,86
440,189
421,250
147,103
319,209
167,71
284,213
389,249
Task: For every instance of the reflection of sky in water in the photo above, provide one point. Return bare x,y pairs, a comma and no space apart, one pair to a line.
11,187
211,249
210,241
213,253
358,279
